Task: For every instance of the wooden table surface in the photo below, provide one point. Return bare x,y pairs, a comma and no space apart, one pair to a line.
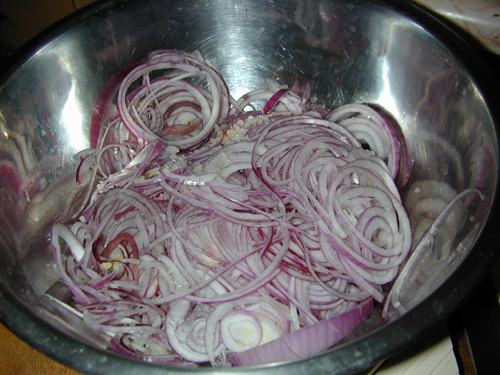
18,358
20,20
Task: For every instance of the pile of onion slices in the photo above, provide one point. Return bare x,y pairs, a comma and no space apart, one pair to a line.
218,233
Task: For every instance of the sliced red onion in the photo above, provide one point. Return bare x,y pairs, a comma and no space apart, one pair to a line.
383,136
240,330
11,177
218,230
105,110
214,103
273,101
305,341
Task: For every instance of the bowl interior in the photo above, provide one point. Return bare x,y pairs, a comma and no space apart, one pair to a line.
350,51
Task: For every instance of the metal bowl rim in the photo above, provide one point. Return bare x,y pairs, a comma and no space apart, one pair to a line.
402,332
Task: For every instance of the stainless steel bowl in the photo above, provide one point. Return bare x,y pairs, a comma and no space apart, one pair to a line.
385,52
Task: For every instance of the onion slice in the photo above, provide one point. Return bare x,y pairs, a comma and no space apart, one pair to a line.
273,101
306,341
